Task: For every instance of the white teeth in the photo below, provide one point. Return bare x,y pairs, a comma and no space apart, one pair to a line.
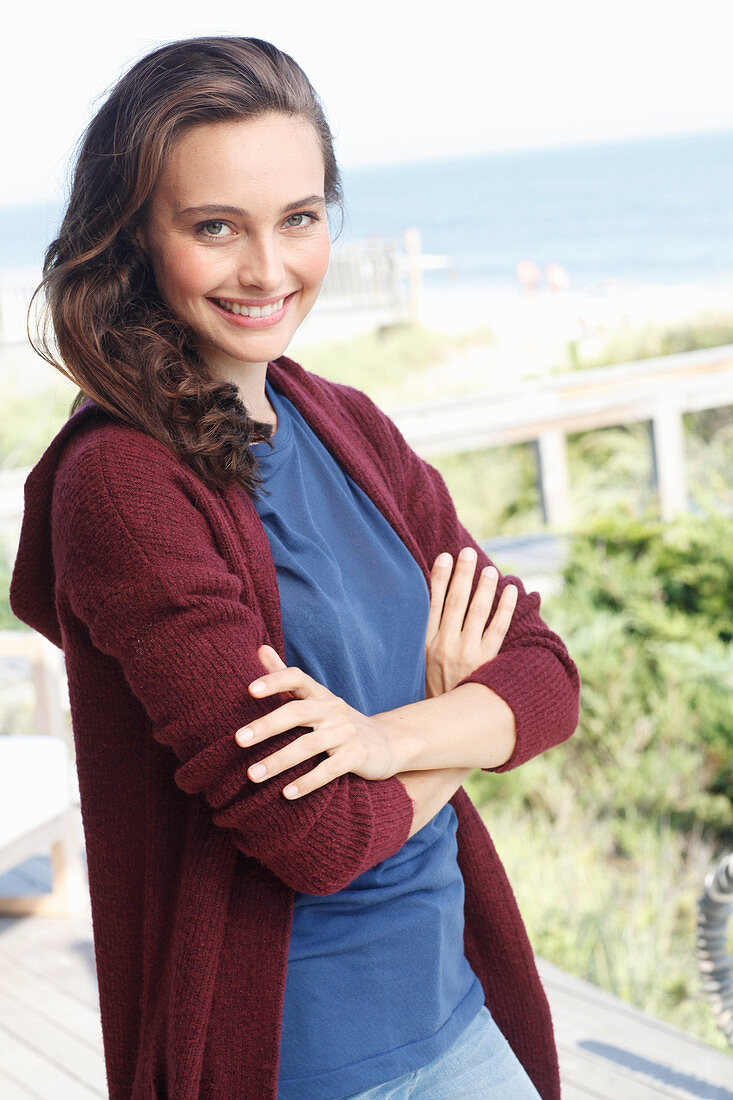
250,311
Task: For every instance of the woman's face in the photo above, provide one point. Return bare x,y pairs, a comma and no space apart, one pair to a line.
238,219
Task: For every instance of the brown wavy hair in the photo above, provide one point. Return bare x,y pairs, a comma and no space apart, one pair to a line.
104,324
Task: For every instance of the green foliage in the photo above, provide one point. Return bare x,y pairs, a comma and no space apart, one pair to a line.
619,825
706,329
388,363
8,621
645,611
667,579
610,470
496,491
28,422
612,900
709,457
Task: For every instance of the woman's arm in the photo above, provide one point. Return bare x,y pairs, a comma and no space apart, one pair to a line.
137,564
447,731
468,727
533,673
460,635
430,791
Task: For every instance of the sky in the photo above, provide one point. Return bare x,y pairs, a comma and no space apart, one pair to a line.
400,80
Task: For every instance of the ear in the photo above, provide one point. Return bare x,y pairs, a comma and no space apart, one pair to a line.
137,230
140,237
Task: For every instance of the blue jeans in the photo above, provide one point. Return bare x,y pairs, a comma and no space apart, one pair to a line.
480,1065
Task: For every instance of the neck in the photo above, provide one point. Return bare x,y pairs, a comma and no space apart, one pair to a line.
249,378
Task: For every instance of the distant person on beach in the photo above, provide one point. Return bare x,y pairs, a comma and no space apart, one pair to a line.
557,278
529,276
284,651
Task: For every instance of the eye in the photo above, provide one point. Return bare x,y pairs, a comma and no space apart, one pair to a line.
214,229
301,225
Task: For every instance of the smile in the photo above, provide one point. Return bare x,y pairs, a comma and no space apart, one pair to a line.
252,316
250,311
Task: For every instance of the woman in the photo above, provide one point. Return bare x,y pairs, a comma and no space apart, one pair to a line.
235,556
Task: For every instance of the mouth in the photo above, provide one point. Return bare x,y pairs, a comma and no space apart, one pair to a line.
252,316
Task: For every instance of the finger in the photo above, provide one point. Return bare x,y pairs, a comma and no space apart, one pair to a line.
439,577
272,661
287,679
301,749
479,609
298,712
270,658
459,591
496,630
326,771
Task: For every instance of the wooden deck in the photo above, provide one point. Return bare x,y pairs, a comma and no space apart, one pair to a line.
51,1043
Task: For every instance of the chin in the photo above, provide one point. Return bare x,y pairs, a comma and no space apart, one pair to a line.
263,354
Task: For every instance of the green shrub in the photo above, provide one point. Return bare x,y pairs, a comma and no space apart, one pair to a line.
607,837
629,343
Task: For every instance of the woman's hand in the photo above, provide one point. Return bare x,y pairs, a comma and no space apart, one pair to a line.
457,639
354,742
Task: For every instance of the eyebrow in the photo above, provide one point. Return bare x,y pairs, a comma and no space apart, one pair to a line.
237,212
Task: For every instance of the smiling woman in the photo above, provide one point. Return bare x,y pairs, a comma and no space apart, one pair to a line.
202,187
282,658
223,276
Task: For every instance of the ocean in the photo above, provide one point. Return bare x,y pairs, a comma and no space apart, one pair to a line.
648,211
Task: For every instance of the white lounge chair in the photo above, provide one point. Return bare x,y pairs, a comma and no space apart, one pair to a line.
37,790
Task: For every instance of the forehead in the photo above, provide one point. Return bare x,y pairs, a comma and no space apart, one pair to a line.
266,158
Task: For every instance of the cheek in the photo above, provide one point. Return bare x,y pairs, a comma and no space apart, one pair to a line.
315,262
183,273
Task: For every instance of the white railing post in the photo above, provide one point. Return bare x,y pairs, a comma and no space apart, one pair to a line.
554,479
668,452
413,249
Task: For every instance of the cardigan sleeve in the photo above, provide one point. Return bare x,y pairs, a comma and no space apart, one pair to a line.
136,562
533,672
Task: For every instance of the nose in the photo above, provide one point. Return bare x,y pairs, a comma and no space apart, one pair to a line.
261,264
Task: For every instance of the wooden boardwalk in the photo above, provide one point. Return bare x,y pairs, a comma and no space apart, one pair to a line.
51,1042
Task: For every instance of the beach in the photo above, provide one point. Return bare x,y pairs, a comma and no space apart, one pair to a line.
517,336
529,335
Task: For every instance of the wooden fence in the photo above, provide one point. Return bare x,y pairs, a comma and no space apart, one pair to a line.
546,410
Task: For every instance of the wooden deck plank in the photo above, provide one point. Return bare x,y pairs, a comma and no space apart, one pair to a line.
584,1072
607,1044
608,1049
57,1005
14,1090
59,950
57,1044
574,1092
37,1070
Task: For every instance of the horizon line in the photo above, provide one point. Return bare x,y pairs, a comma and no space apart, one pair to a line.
499,151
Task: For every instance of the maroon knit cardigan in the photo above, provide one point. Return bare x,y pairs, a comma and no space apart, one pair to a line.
159,590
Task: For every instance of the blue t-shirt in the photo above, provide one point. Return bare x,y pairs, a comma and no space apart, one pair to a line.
377,981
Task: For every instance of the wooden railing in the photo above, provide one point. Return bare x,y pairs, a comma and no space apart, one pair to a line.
545,410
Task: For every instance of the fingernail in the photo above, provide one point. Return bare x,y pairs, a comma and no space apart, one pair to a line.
490,571
467,553
290,792
257,771
443,561
257,685
243,736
